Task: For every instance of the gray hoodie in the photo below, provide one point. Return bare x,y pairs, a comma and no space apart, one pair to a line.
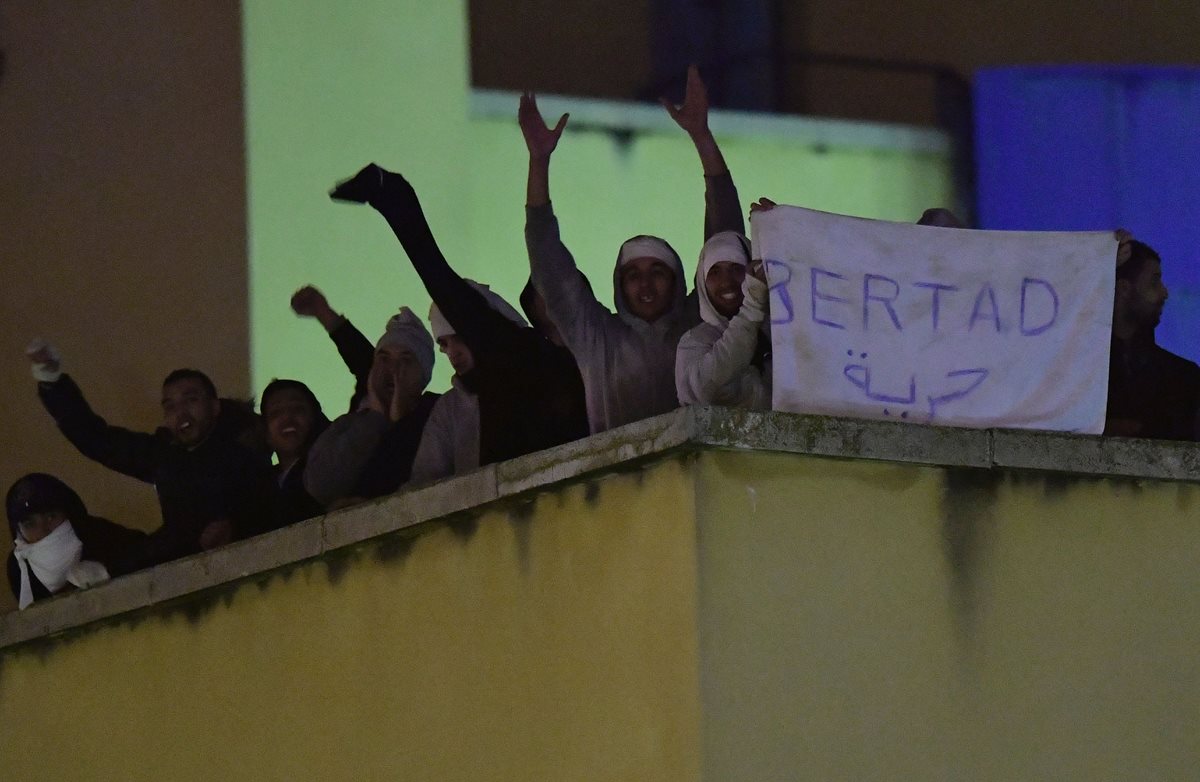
627,364
450,441
714,361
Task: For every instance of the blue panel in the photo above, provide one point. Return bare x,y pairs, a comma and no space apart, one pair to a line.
1096,147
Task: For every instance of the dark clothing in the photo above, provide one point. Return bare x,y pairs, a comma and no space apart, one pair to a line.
103,541
358,353
218,479
291,502
1153,388
530,391
390,464
363,454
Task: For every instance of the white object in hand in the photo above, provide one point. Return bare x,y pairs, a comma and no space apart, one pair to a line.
87,573
46,371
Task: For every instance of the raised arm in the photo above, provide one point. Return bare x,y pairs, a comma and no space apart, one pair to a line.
570,302
132,453
356,351
541,141
487,332
722,211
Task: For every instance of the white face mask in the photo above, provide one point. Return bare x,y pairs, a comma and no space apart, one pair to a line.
51,559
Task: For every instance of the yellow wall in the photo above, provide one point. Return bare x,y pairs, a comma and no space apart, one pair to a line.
547,641
123,226
722,615
865,620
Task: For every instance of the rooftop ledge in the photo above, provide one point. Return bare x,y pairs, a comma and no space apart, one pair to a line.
686,429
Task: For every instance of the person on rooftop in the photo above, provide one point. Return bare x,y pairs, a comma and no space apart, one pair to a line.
356,350
294,421
57,544
726,359
627,358
369,452
211,476
1151,392
512,394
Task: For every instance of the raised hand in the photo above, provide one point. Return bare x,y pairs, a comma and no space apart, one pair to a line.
379,384
400,403
539,138
756,270
216,533
45,361
762,205
692,116
308,302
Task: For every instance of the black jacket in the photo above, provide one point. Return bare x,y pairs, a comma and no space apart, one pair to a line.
1156,390
103,541
219,479
358,354
530,391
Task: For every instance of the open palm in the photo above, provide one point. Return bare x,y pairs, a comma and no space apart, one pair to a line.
539,138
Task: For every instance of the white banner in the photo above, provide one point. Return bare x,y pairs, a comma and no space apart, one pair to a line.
937,325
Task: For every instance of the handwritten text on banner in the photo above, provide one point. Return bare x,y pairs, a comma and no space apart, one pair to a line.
937,325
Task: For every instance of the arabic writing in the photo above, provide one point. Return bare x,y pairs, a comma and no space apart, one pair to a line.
860,376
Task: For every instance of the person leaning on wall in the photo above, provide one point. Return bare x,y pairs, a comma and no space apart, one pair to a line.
1152,392
57,544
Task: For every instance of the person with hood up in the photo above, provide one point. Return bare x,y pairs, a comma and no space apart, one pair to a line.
369,452
57,543
294,421
726,359
510,381
205,462
627,359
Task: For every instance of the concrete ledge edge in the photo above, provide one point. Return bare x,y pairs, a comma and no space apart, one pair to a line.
689,427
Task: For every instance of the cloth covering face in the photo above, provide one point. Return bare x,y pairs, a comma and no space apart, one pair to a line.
50,559
106,546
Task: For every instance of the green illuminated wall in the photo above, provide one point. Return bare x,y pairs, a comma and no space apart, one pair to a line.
330,88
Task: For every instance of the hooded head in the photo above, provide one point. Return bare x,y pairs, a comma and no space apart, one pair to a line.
455,349
406,331
38,495
293,417
643,291
726,247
